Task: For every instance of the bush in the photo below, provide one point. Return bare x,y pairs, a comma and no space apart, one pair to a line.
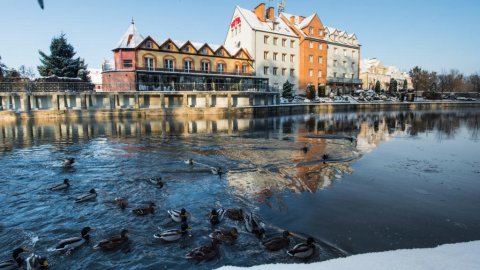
322,91
310,91
431,95
287,92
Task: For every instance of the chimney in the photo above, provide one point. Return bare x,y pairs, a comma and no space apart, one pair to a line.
270,13
292,19
260,12
300,20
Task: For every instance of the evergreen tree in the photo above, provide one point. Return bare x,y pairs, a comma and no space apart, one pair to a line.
377,87
310,92
287,92
405,85
392,87
61,61
3,68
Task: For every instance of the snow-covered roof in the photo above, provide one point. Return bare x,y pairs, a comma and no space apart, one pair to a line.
198,45
340,36
306,21
256,24
131,39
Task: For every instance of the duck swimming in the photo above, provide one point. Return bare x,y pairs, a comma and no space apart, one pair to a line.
178,216
303,250
36,262
277,243
16,262
91,195
70,244
121,203
189,161
145,211
173,235
113,242
217,171
65,185
216,216
68,162
234,214
204,253
156,181
225,235
252,225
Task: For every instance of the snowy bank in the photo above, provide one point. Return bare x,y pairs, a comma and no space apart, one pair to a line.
463,256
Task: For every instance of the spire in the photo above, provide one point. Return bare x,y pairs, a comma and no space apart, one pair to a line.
131,39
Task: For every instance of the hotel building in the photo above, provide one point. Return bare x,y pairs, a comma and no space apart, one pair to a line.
373,70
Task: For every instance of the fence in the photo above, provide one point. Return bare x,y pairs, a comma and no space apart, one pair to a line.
46,87
191,86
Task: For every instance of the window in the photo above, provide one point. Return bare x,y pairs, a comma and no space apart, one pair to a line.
149,63
237,69
204,51
265,55
335,50
292,43
265,70
220,53
345,63
310,72
284,57
292,58
344,52
310,30
187,65
353,64
334,75
275,41
344,75
353,76
187,49
244,68
168,64
149,45
319,74
320,60
220,67
265,39
310,58
320,32
205,66
284,71
168,47
353,53
311,45
320,46
275,56
284,42
127,63
292,72
275,71
334,63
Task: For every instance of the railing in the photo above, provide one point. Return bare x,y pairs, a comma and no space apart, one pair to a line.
152,86
194,71
344,80
46,87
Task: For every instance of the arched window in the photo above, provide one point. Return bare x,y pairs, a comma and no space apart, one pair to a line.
169,64
149,63
205,66
187,65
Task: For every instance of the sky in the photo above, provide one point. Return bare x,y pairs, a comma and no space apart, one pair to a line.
437,35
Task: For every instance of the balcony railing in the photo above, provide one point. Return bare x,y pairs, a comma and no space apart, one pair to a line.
151,86
46,87
195,71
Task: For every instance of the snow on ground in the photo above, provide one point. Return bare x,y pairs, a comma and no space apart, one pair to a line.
463,256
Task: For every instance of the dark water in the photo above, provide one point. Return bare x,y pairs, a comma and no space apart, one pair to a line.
407,179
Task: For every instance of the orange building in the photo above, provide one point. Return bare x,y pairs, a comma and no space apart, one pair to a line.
313,49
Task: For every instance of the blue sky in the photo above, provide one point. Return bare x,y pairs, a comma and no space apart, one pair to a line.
434,34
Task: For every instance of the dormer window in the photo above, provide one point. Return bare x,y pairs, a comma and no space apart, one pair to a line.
204,51
168,47
149,45
310,30
187,49
220,53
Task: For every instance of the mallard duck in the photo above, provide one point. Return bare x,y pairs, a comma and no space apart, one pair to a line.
225,235
277,243
216,216
113,242
173,235
178,216
218,171
65,185
70,244
145,211
91,195
68,162
189,161
36,262
254,226
234,214
121,203
156,181
206,253
16,262
303,250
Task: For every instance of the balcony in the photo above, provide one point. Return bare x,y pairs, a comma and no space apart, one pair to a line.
194,71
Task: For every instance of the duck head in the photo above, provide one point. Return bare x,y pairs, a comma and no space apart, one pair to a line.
310,241
66,181
183,212
86,231
93,191
213,213
16,255
286,234
124,233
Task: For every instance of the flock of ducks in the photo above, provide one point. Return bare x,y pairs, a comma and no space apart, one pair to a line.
207,252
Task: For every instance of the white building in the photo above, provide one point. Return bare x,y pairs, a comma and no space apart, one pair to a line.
373,70
96,78
271,42
343,56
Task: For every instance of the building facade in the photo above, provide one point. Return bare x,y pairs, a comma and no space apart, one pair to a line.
373,70
143,64
273,44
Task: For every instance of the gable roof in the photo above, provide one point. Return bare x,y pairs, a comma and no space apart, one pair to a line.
306,21
131,39
256,24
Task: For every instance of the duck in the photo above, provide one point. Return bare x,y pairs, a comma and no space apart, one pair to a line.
303,250
68,162
121,203
324,158
204,253
145,211
36,262
65,185
253,226
156,181
16,262
178,216
234,214
216,216
225,235
113,242
173,235
91,195
70,244
217,171
277,243
189,161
